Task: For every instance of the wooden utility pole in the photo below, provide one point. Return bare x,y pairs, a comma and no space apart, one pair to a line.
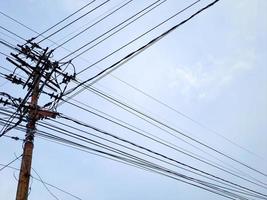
26,163
44,77
35,113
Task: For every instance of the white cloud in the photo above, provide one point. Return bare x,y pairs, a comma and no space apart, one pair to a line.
205,80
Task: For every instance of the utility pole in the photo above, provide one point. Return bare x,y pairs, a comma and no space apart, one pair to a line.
44,77
26,163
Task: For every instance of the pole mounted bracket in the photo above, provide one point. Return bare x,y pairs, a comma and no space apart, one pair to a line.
43,114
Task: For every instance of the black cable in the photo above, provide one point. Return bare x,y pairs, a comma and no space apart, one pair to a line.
113,28
101,94
77,129
184,115
8,164
90,21
153,166
12,33
48,190
149,150
94,144
92,25
42,33
132,54
164,142
48,184
27,27
18,22
140,36
10,37
98,151
179,174
135,38
174,148
7,44
77,19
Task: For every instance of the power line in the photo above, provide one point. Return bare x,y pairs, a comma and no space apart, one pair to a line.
77,19
99,151
12,33
178,150
139,50
113,28
49,191
118,157
161,141
146,149
27,27
7,44
8,164
18,22
87,28
60,130
10,37
116,101
91,21
142,35
42,33
48,184
169,171
184,115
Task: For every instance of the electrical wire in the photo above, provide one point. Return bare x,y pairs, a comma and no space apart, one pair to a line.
161,141
141,49
113,28
185,176
10,37
79,145
92,25
60,129
12,33
7,44
91,21
48,184
138,146
142,35
176,111
109,154
8,164
118,102
77,19
48,190
39,34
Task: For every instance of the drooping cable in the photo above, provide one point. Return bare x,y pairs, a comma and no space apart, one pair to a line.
8,164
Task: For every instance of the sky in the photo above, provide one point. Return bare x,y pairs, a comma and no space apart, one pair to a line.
212,69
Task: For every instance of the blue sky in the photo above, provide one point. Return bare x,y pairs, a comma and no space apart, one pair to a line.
213,69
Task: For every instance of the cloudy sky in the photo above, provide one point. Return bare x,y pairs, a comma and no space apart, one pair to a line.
212,69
